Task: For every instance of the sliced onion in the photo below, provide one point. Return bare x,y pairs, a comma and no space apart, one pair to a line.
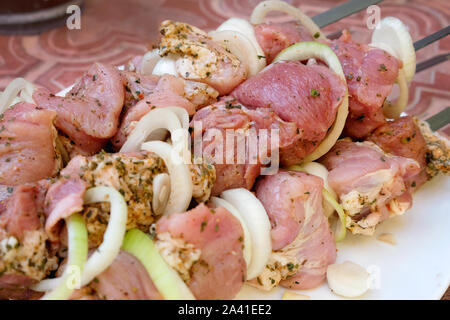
264,7
182,115
149,61
9,96
105,254
160,118
77,255
391,32
247,237
165,65
320,171
257,221
180,175
166,280
348,279
244,27
340,232
305,51
394,111
161,193
242,47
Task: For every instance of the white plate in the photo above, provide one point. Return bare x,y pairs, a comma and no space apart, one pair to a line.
417,267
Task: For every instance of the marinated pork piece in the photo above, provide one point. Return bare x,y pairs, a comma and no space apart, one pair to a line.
302,242
403,137
438,150
306,95
169,91
275,37
243,168
370,73
214,261
24,255
371,185
198,58
27,145
89,114
131,174
125,279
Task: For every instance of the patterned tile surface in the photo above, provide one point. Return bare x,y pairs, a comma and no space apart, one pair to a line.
113,31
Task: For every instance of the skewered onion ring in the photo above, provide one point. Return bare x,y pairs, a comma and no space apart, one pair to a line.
160,118
263,8
180,175
241,47
14,88
248,247
161,193
392,35
257,221
112,239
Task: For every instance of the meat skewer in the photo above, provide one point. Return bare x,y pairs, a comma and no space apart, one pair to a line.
203,221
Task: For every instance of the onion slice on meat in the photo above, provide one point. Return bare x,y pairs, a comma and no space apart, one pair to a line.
316,50
242,47
257,221
114,233
149,61
160,118
165,65
393,33
264,7
166,280
320,171
105,254
161,193
14,88
180,176
394,110
244,27
77,255
247,237
348,279
341,230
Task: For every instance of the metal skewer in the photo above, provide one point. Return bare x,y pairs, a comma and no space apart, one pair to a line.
432,62
342,11
431,38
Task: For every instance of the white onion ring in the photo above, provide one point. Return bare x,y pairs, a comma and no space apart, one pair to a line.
394,111
9,96
180,175
161,193
263,8
160,118
165,65
257,221
105,254
241,47
248,247
244,27
149,61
